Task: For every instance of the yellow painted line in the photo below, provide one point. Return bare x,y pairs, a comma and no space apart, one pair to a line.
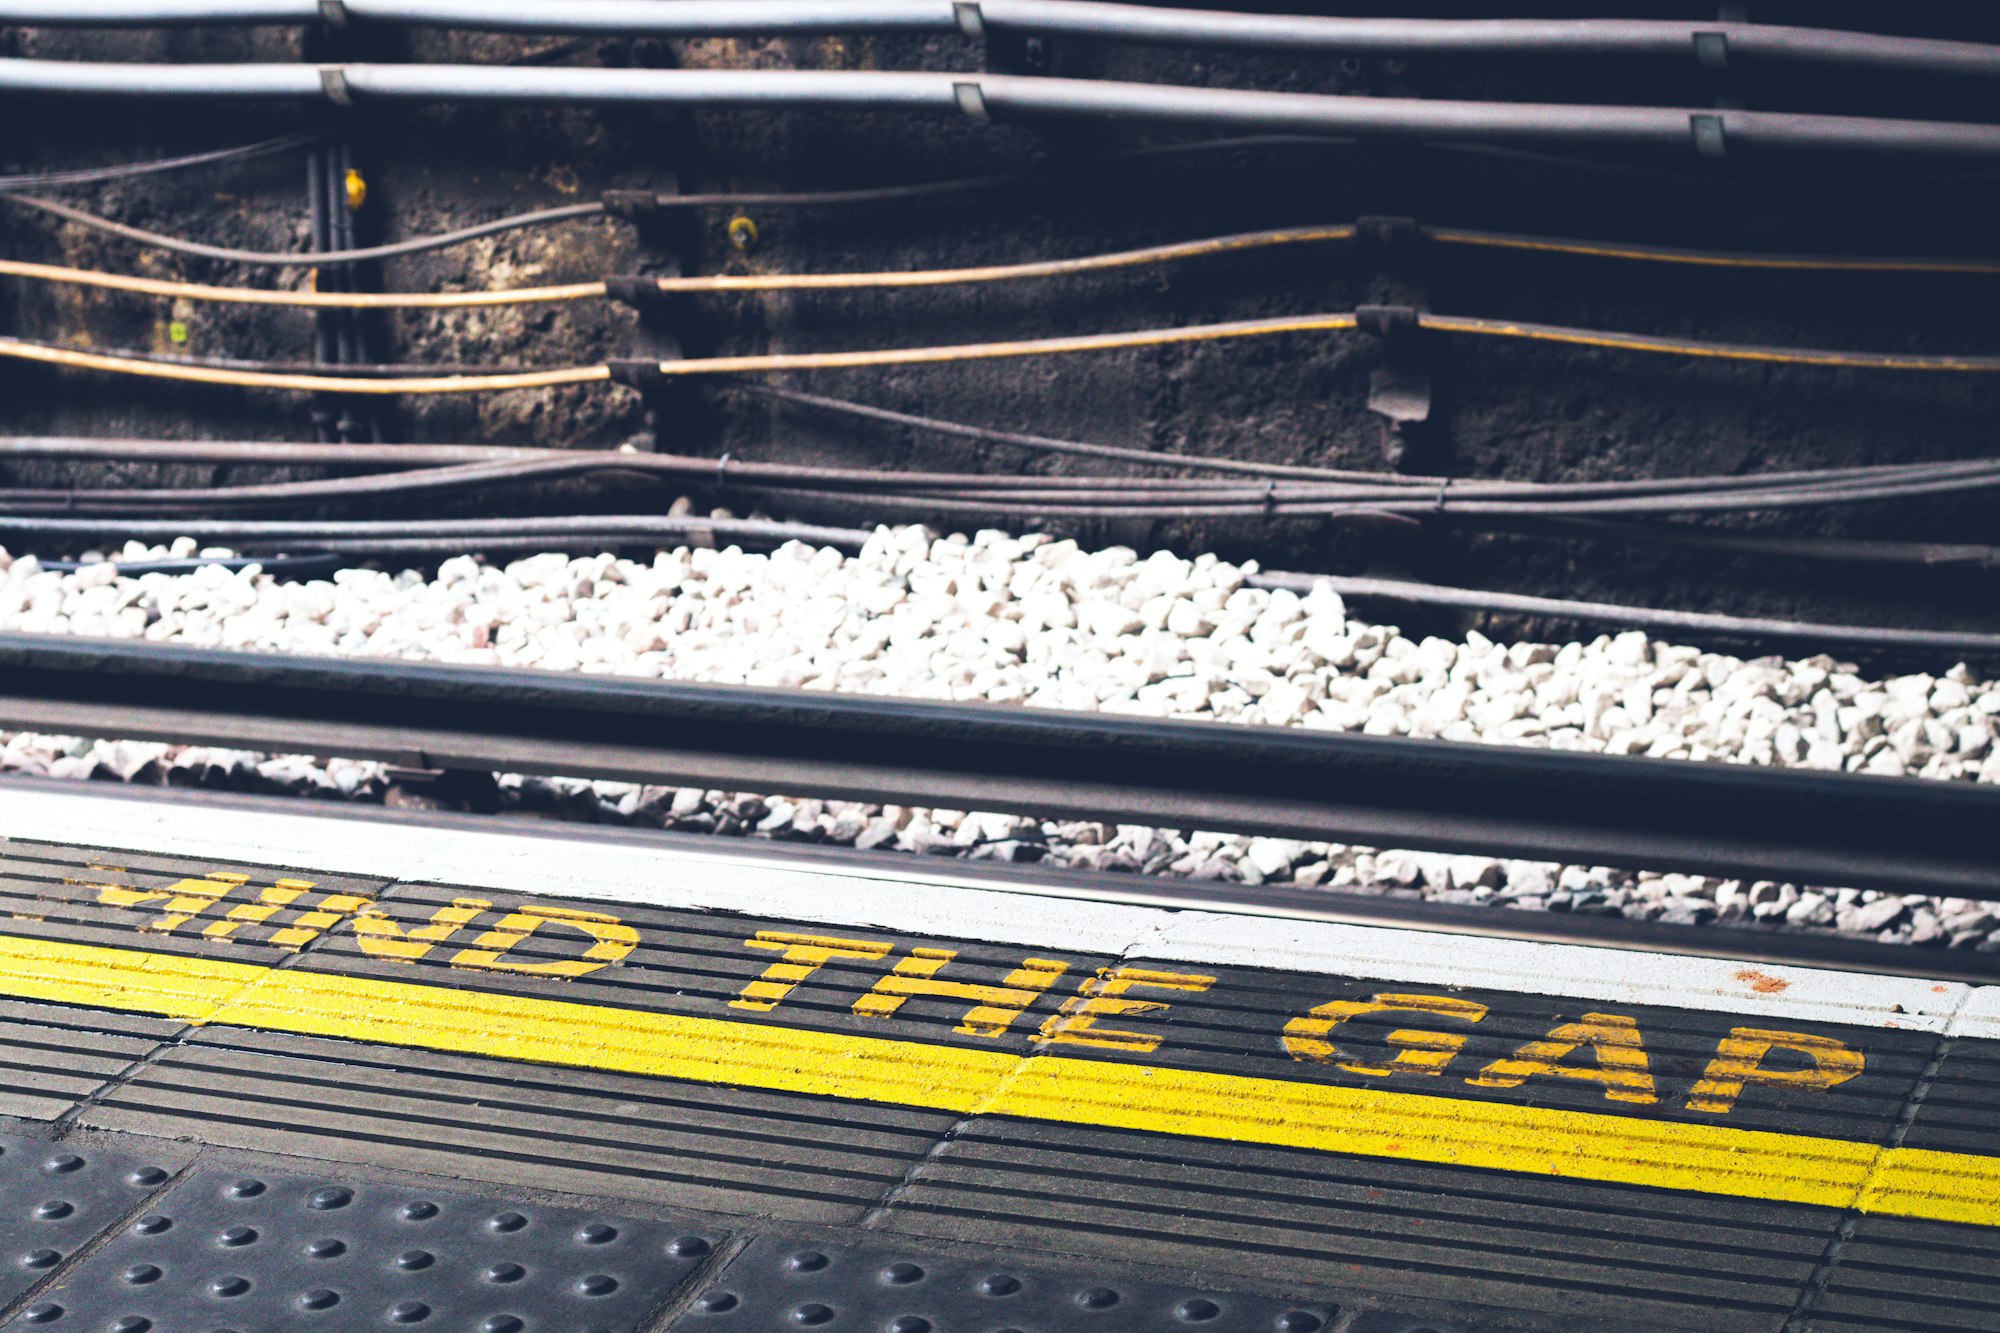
127,979
1367,1122
1373,1122
1942,1186
628,1041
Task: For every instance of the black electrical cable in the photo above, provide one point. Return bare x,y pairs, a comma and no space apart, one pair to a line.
1763,546
459,464
1825,480
1705,42
280,453
1879,638
357,417
340,324
930,494
405,456
326,341
280,566
981,97
1018,183
540,217
624,202
544,533
1076,448
958,505
41,180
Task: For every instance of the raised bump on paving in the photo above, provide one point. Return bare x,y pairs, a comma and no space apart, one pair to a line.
57,1198
251,1248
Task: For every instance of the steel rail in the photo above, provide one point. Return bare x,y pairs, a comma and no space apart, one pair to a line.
1900,834
1007,97
1710,44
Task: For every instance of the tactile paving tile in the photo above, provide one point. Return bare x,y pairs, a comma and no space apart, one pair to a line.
785,1285
232,1251
55,1198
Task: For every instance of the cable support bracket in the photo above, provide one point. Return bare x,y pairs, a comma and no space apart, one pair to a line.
1386,235
1711,50
333,82
635,372
631,205
1388,322
634,290
1399,389
1710,138
971,99
333,13
970,21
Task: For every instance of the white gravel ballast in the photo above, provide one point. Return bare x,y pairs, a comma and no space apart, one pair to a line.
1038,622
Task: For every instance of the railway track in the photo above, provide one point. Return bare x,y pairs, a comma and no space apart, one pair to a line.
1732,820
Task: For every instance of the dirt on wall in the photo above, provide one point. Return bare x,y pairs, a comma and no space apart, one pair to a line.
1501,410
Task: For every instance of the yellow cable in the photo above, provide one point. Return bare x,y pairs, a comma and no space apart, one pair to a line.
1638,342
906,356
194,291
1091,342
1159,254
259,379
1706,258
1048,268
578,291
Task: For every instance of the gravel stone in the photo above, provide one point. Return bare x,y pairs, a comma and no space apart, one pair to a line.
1879,915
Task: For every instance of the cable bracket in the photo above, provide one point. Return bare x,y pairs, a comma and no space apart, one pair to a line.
970,21
1710,138
631,205
333,13
1386,234
333,82
1390,323
1399,389
635,372
971,100
1711,50
633,289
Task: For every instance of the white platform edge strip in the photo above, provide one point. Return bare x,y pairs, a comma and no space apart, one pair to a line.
927,900
1981,1015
